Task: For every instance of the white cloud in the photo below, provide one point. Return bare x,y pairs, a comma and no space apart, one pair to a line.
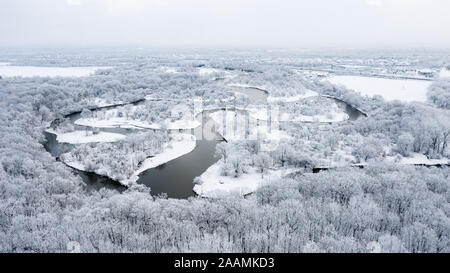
375,3
73,2
125,6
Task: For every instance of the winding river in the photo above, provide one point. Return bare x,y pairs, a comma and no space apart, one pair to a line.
174,178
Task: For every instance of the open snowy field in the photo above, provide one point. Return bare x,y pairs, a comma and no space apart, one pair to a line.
308,107
205,71
233,125
112,119
334,114
79,137
213,184
99,102
445,73
45,71
306,94
120,122
420,159
403,90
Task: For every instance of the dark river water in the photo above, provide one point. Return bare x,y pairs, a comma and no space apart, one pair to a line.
174,178
352,112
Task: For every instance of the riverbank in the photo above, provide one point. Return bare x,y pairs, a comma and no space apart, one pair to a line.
180,144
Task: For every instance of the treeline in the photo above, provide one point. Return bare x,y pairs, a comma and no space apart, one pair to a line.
413,127
439,93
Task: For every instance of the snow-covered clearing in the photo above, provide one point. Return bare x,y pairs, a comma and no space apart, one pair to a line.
234,125
245,86
112,119
77,165
445,73
205,71
334,114
45,71
418,159
312,73
212,184
389,89
306,94
79,137
120,122
167,69
99,102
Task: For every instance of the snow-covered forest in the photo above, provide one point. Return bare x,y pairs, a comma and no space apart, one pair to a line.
305,164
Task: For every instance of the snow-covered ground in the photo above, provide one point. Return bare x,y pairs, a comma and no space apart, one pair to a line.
232,126
445,73
334,114
167,69
389,89
215,185
114,122
419,159
99,102
79,137
118,122
328,118
111,119
245,86
180,145
307,94
45,71
205,71
313,73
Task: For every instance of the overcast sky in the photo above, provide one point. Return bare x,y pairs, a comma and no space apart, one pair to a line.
246,23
